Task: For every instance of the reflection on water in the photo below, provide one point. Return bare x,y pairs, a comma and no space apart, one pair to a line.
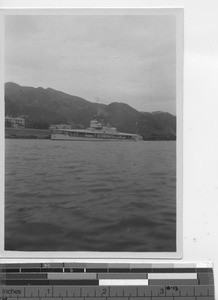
90,196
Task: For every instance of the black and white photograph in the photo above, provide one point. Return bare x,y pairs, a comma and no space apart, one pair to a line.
92,137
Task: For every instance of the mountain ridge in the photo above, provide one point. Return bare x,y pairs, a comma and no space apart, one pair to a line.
49,106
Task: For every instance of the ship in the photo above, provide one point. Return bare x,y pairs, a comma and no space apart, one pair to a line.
96,132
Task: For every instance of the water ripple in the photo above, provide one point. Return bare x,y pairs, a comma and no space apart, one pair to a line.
90,196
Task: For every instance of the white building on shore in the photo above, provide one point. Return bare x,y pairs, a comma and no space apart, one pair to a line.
18,122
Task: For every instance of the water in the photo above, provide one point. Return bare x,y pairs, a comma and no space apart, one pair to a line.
90,196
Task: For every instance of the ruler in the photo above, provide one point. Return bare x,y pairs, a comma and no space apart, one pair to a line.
100,281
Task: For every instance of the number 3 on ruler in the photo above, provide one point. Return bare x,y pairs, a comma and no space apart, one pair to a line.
162,291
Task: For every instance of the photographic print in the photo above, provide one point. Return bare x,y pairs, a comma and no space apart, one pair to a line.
91,130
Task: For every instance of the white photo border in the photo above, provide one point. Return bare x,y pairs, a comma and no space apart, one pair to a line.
178,13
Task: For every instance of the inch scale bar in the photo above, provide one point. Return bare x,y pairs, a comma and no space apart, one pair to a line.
109,292
67,281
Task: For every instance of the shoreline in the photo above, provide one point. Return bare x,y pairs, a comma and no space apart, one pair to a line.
31,133
27,133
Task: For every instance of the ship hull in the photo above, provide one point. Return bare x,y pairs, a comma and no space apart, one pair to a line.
62,137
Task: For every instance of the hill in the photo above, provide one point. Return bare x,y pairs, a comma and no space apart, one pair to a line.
43,107
47,106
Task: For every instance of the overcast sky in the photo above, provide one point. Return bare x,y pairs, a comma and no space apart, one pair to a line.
112,58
